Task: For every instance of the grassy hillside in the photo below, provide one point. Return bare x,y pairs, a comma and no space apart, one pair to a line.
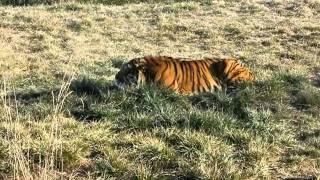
62,118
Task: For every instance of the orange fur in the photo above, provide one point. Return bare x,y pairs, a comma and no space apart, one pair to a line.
182,75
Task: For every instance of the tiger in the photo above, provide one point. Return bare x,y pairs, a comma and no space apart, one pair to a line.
182,75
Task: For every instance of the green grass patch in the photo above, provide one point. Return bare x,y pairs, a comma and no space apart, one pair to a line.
165,131
67,119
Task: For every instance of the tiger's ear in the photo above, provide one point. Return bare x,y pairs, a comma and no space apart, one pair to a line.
140,63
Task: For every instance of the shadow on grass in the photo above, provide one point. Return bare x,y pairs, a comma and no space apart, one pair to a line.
97,88
39,102
235,119
82,86
151,106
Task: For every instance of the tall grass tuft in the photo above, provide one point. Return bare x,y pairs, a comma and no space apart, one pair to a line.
24,161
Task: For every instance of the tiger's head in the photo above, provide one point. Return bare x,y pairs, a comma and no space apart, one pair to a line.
132,73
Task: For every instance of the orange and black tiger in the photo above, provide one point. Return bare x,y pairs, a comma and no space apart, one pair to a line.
184,76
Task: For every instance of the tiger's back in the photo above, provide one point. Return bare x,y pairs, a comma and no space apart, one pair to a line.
188,76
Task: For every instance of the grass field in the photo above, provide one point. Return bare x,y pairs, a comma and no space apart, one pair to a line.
62,118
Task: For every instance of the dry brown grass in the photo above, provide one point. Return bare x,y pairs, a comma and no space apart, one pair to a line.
41,46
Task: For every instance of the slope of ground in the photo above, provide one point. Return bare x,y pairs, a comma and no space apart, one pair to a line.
85,128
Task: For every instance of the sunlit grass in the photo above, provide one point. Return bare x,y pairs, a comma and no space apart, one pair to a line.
62,116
